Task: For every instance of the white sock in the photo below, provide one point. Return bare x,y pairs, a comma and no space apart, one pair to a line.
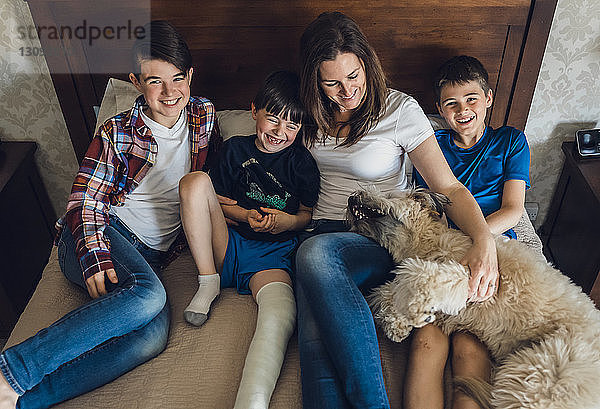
209,288
274,326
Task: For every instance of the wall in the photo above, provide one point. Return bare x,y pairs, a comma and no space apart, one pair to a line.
29,108
567,94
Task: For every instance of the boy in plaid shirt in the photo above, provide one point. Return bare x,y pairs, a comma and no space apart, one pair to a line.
122,218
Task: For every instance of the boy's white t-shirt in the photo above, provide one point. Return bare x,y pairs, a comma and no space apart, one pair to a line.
151,211
377,159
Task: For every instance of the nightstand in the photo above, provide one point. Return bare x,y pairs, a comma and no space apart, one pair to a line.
571,231
26,230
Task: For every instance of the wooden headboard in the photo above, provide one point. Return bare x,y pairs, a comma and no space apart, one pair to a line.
236,43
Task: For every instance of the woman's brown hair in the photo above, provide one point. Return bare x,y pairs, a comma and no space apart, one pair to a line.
329,35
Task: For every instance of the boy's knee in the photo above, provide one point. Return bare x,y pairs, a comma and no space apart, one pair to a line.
467,347
151,303
194,183
155,335
160,299
430,340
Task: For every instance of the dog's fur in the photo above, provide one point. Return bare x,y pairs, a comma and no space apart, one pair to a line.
542,330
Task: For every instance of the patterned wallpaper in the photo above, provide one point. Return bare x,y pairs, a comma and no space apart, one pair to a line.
567,94
29,108
566,98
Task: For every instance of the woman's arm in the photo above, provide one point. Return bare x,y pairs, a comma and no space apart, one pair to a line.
465,212
511,210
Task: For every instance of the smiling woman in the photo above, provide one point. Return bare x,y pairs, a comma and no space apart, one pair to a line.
343,81
364,132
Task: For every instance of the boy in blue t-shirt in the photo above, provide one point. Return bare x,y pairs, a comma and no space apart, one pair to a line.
494,165
266,186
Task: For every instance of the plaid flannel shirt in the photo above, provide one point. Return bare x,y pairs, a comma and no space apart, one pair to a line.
118,158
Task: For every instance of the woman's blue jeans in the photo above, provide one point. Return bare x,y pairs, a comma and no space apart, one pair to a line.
339,352
100,340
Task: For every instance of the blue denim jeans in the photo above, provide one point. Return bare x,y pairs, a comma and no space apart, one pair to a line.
339,352
100,340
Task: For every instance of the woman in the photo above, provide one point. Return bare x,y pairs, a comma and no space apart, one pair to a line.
363,131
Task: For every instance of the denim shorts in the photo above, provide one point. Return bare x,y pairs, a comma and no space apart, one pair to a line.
246,257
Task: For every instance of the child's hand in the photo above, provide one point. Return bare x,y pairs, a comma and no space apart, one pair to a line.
277,221
256,220
95,284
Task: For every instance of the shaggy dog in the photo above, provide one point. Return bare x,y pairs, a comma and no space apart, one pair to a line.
541,330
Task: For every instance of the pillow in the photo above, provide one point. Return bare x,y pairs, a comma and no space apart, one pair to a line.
437,122
236,122
120,95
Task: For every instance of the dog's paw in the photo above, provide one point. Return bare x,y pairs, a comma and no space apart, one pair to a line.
395,329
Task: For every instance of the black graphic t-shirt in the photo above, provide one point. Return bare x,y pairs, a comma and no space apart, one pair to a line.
280,180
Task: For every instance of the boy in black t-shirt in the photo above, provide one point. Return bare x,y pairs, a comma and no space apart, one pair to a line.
266,184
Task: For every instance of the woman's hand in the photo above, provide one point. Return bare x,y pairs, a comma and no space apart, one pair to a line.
226,201
482,262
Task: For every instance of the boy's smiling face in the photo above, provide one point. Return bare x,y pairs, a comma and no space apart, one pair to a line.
274,132
464,107
166,89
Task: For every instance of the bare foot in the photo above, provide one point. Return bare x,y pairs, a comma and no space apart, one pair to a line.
8,397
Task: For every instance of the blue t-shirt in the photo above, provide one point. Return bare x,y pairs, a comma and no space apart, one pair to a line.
500,155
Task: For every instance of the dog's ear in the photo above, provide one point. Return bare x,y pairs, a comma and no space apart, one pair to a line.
435,202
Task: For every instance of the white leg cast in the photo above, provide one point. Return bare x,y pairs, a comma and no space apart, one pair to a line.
274,326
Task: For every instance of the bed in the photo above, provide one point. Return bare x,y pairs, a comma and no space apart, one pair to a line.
201,367
231,41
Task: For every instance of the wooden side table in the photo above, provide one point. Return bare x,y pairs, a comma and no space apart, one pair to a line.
26,229
571,231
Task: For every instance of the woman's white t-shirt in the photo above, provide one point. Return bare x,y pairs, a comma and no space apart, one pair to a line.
378,158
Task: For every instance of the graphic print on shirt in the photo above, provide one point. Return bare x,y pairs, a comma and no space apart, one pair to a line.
262,187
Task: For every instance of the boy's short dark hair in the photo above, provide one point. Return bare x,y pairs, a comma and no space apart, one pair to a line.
280,95
460,70
161,42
